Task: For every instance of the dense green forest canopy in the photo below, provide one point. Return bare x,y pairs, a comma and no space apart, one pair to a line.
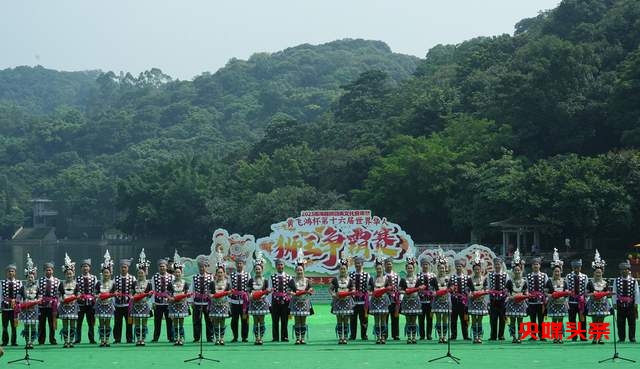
543,124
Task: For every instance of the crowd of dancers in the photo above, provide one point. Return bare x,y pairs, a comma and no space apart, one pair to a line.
432,304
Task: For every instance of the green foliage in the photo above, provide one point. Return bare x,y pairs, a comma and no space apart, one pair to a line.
11,215
576,194
172,193
625,102
415,181
364,98
542,124
41,91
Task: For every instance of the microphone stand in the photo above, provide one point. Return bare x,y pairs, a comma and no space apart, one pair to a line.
448,354
26,358
200,357
615,346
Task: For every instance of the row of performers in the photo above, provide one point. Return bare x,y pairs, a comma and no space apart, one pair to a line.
38,303
420,296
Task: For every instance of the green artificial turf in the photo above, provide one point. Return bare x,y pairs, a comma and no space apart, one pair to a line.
322,351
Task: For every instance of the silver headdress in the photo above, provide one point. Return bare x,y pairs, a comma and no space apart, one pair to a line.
143,263
440,259
258,259
177,264
108,263
476,258
556,262
598,262
30,266
379,257
410,258
516,259
220,263
301,261
68,264
342,260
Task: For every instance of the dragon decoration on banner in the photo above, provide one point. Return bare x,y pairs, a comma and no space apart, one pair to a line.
321,236
486,256
226,247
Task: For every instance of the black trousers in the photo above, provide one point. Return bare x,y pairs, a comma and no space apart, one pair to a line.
425,317
122,313
7,320
573,312
160,312
395,321
237,315
85,311
279,316
497,319
459,311
626,315
199,312
358,313
536,314
46,318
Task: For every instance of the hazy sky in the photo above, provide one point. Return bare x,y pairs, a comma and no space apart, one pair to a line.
187,37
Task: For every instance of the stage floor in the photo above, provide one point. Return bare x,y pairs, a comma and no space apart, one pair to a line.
322,351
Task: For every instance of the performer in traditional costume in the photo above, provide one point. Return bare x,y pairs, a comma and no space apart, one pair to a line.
536,281
48,287
495,283
341,291
68,305
300,305
104,307
201,298
441,304
478,299
258,298
86,283
280,303
219,308
410,305
598,293
360,280
123,286
139,303
626,298
239,300
394,303
28,305
516,303
379,288
161,281
10,292
459,286
577,284
178,290
426,295
557,293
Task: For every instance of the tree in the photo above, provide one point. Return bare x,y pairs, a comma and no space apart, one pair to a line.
281,131
265,208
413,182
168,200
625,104
11,215
487,192
364,98
576,194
